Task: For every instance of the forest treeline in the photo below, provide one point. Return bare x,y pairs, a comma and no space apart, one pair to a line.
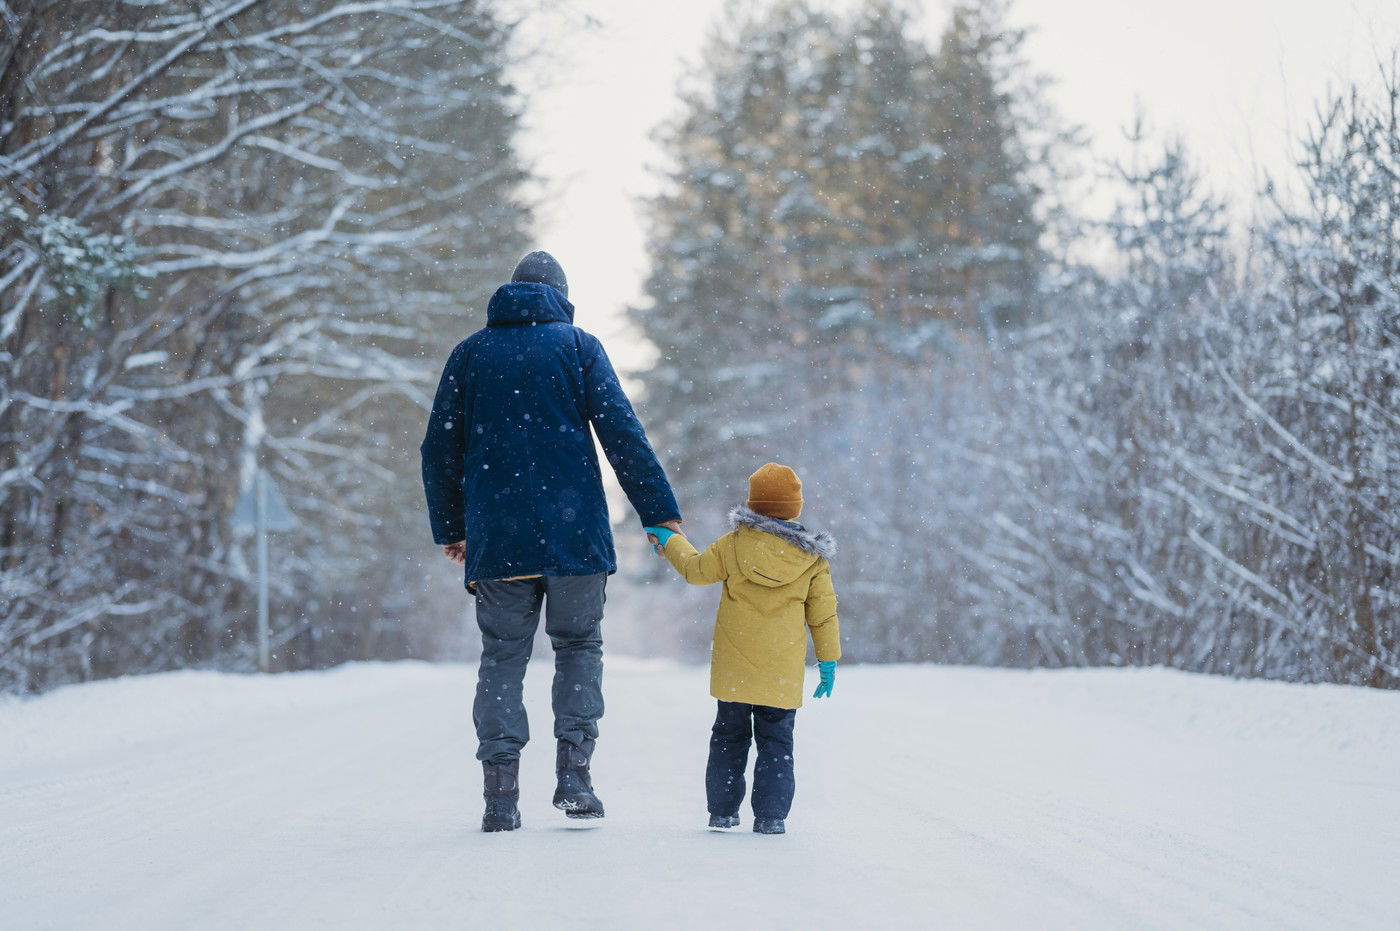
233,233
1040,438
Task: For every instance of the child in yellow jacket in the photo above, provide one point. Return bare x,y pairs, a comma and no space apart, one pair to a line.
777,587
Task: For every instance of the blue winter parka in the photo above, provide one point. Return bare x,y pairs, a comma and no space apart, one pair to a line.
509,464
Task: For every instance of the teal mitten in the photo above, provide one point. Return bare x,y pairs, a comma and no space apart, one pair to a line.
662,536
828,671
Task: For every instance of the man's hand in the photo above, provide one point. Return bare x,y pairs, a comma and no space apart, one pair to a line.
457,552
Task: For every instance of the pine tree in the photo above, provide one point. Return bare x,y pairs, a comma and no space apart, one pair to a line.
843,199
987,230
851,217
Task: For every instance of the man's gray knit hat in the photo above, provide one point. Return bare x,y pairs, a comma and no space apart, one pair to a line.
541,267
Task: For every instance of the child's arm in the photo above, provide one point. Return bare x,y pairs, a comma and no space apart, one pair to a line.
696,568
821,616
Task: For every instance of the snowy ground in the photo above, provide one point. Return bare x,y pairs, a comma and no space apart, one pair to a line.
927,796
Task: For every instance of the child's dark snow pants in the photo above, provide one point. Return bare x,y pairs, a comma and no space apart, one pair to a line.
508,614
736,725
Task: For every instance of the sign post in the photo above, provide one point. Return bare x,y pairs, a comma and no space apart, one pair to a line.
260,508
260,529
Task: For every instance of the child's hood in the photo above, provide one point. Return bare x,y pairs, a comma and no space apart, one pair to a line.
774,552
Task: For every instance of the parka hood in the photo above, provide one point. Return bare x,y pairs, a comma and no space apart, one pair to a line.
774,552
522,303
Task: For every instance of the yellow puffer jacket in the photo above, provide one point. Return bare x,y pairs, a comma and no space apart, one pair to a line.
777,586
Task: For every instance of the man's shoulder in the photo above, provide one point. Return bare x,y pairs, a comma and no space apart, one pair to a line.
465,347
584,337
457,356
580,340
462,346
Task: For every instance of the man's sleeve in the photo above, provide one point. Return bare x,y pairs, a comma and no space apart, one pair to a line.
444,454
623,439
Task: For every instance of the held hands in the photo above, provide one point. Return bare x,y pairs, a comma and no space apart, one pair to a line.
456,552
828,671
658,536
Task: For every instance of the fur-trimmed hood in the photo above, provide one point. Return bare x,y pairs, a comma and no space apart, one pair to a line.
817,542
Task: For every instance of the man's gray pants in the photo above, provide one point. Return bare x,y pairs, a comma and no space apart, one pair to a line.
508,614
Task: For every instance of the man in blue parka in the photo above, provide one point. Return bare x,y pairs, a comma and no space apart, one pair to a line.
515,495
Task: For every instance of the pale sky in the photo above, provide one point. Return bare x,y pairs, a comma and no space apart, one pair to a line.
1236,80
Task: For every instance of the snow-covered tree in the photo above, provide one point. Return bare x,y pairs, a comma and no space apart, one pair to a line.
1202,450
230,233
852,217
1183,452
1326,409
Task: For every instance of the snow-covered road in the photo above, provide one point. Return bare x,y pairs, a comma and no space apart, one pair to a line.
927,797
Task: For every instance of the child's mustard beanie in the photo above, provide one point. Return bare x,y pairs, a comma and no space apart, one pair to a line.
776,491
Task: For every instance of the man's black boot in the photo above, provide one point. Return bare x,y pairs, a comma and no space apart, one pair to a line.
502,796
575,792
